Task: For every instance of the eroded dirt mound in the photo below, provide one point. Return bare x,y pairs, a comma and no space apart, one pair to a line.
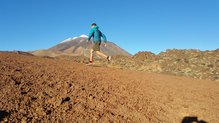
145,56
37,89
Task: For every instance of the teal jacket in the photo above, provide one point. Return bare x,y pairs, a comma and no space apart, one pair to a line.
96,34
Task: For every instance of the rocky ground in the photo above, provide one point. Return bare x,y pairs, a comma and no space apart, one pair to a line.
191,63
44,89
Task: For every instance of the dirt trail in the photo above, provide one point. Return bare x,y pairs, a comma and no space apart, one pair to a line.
35,89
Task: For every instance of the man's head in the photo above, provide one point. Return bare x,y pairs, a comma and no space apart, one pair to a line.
93,25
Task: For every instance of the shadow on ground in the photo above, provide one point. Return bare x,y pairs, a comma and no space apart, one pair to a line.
189,119
3,114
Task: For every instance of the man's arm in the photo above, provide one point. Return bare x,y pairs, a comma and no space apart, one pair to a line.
91,34
104,37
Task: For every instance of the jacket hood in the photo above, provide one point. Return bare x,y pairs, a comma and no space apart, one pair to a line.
96,27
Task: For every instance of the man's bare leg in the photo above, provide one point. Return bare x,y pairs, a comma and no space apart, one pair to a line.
101,54
91,55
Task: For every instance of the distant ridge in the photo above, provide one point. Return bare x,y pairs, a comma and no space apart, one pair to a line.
77,46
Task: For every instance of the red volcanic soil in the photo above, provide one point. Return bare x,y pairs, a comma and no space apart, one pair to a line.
37,89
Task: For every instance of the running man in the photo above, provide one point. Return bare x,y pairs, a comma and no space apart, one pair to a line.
97,34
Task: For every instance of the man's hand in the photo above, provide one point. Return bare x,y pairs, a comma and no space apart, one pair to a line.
87,42
105,45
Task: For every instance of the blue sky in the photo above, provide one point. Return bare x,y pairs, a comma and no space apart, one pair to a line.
135,25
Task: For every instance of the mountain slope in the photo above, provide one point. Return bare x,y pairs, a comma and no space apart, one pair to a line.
36,89
77,46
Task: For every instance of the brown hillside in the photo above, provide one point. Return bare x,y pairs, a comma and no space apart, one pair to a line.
37,89
191,63
79,47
